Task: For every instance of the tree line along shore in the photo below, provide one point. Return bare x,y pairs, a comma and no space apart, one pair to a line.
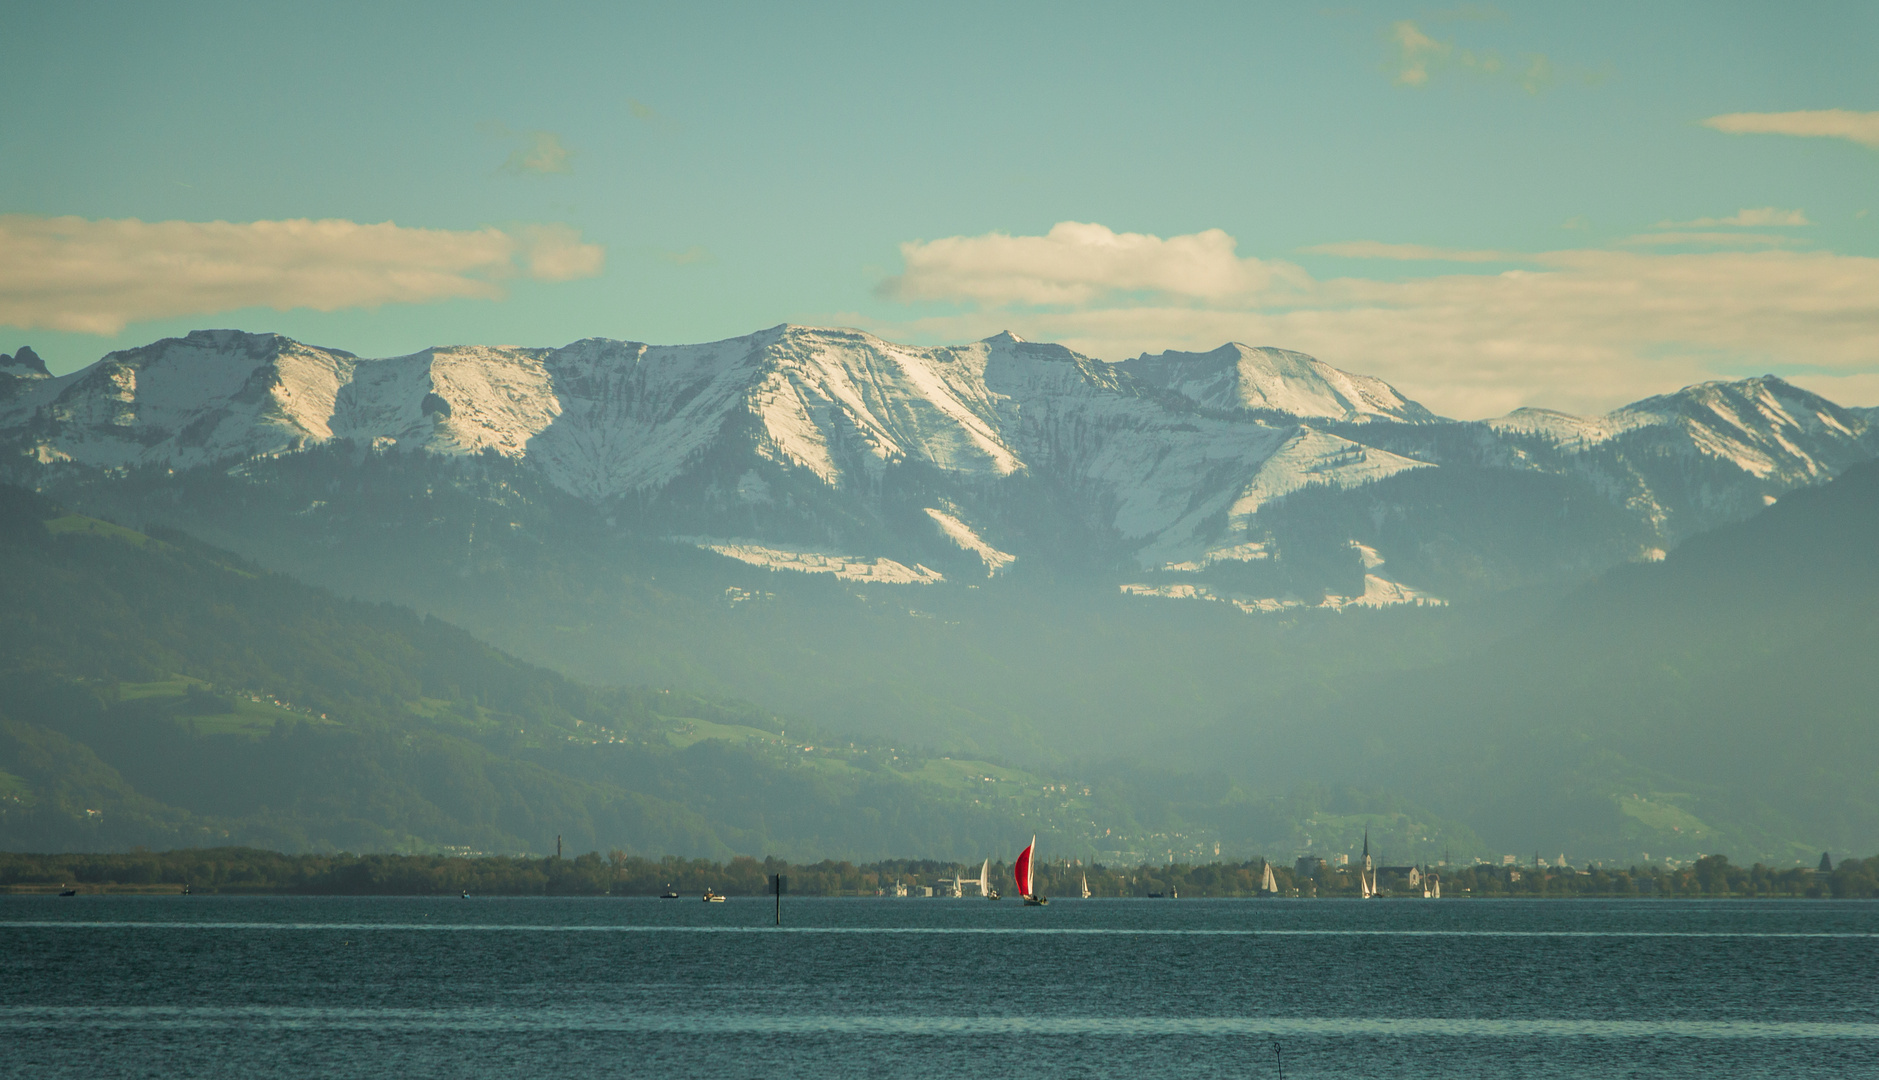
252,871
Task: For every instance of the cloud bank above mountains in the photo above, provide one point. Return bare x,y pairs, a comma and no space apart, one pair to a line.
96,276
1582,329
1859,127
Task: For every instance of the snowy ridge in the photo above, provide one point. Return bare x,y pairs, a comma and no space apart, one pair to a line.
1768,428
211,396
1575,432
1313,457
1236,376
1179,461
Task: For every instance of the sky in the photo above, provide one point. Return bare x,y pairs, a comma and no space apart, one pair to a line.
1567,206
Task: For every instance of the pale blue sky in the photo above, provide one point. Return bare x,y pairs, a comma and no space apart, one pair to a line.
749,164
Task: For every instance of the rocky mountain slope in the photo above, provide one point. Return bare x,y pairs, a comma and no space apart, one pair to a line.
1260,477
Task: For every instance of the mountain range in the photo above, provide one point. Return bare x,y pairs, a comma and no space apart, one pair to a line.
1254,476
1009,552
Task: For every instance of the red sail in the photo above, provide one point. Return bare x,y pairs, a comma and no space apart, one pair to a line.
1022,871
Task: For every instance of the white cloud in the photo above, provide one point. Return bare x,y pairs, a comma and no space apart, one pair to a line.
70,273
537,153
1419,58
1417,51
541,153
1370,249
1859,127
1076,263
1584,329
557,253
1709,239
1760,217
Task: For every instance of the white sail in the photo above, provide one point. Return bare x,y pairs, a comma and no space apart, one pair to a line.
1086,886
1367,877
985,878
1268,884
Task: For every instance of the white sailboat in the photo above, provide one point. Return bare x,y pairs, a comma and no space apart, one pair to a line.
1367,874
1022,871
1086,886
1268,885
985,881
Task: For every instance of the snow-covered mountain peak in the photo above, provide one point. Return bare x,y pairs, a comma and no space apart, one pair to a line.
831,442
24,364
210,395
1760,424
1240,377
1766,426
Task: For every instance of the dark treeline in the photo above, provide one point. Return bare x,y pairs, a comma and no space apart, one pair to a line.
249,870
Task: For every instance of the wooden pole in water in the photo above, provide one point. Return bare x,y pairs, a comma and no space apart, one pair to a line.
779,899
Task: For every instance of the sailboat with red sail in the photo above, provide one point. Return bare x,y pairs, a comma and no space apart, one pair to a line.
1022,871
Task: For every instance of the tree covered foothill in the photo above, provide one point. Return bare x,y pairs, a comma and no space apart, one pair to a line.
159,692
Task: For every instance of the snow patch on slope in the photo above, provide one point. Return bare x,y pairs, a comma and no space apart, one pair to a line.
963,535
1315,457
845,567
1379,592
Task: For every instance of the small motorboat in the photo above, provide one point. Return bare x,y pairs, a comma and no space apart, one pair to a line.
466,894
713,898
668,894
69,892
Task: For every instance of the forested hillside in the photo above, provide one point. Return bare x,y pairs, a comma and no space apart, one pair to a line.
156,691
1726,699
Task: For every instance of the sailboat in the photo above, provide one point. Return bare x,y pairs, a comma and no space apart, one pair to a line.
1367,874
1086,886
1022,871
1268,885
985,881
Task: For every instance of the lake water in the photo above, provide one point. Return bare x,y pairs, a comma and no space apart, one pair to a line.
201,986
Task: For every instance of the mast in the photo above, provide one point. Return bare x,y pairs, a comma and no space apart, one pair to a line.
1022,871
1366,878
